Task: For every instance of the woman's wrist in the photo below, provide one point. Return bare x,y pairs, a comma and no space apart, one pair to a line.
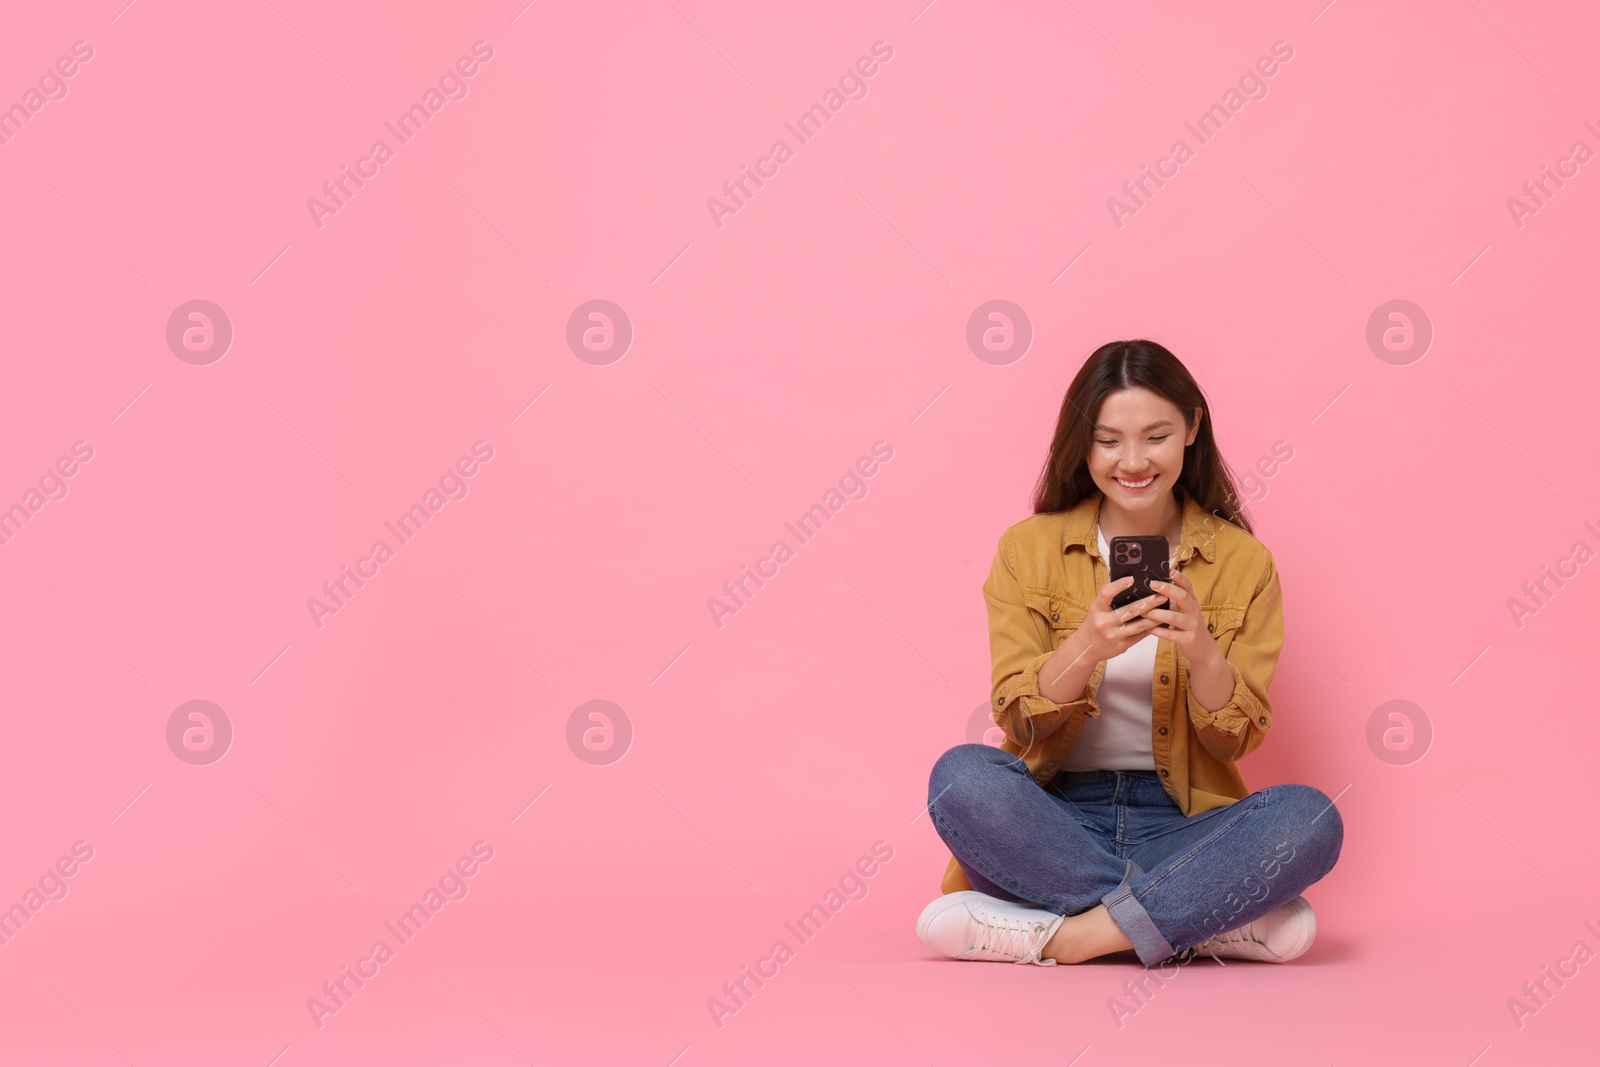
1065,675
1211,679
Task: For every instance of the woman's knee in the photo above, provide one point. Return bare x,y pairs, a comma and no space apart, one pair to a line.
959,775
1316,818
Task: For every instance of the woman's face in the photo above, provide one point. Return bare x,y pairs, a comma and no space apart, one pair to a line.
1136,451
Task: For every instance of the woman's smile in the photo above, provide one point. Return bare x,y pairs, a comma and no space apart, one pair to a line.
1137,486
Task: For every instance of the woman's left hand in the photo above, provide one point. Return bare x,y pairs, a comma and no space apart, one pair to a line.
1182,622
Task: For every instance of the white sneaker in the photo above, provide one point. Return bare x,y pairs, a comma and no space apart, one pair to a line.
969,925
1280,935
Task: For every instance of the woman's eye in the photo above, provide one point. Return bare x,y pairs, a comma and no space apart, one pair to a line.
1163,437
1105,442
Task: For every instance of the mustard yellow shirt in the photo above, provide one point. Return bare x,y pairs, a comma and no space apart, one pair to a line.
1047,570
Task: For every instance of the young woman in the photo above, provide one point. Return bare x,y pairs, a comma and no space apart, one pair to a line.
1112,817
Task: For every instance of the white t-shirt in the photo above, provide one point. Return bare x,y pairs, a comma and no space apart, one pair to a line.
1118,739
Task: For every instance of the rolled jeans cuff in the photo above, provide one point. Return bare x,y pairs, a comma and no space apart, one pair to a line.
1129,914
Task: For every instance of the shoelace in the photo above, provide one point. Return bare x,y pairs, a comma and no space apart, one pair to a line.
1011,937
1209,946
1190,954
1242,933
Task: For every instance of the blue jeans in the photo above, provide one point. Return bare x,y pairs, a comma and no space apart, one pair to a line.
1116,838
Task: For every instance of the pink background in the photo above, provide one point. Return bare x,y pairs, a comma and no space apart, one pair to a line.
768,355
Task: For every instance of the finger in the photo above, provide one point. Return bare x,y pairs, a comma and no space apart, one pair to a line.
1144,605
1176,593
1144,628
1137,623
1102,603
1111,589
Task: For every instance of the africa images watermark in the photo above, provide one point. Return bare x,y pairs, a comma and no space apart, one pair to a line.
852,486
52,886
452,85
1538,192
52,85
852,886
1251,889
452,885
1252,85
52,485
851,86
1537,993
452,485
1539,592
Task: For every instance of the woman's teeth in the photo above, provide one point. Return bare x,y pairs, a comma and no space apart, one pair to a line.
1136,485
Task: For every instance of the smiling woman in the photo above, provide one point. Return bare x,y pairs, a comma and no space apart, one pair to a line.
1112,817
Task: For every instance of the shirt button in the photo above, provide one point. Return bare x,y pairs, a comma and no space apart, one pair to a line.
1262,720
999,702
1163,730
1163,773
1055,617
1210,629
1163,679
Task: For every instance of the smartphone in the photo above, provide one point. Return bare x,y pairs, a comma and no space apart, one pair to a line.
1145,558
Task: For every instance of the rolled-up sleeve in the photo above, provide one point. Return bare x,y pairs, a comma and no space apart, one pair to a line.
1019,645
1237,729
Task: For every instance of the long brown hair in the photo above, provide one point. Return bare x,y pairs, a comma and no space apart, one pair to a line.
1065,479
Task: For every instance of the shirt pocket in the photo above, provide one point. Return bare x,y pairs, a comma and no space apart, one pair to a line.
1059,612
1222,622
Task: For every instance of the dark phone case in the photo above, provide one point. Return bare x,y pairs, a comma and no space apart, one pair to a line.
1144,558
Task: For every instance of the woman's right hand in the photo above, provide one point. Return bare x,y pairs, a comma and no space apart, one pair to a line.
1109,631
1104,632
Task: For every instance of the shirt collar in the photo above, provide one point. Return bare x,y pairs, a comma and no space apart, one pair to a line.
1198,535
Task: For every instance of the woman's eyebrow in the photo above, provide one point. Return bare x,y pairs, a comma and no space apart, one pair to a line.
1103,428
